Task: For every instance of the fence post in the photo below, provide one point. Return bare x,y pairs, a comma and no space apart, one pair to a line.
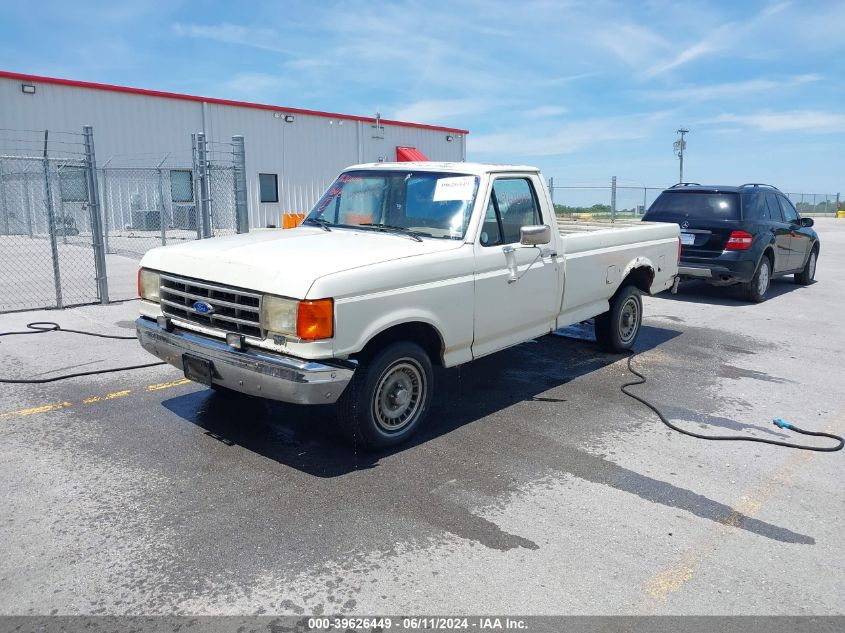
205,198
241,207
613,199
51,226
28,204
5,206
195,174
96,216
645,199
552,190
104,198
162,207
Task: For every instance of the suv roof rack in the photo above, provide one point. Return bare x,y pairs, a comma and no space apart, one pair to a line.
758,184
686,184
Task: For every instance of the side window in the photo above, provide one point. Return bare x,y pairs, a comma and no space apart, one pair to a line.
773,207
754,206
181,185
789,213
491,234
268,187
517,206
73,185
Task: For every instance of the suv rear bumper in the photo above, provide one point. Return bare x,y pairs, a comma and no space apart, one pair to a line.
264,374
718,272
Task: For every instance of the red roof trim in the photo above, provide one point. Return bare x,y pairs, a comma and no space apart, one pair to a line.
242,104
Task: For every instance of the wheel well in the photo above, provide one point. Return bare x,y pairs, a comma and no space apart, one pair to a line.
642,277
771,255
423,334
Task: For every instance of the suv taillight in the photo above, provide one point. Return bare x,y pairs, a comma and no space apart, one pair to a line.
739,241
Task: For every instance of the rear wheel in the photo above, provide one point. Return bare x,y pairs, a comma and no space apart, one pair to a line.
806,276
618,328
388,397
756,289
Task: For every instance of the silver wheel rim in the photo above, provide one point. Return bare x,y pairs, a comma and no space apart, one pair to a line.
763,278
811,269
399,395
629,320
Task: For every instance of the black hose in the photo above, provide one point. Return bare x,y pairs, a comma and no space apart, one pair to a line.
42,327
731,438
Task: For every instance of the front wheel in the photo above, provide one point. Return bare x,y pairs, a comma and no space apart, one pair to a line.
618,328
806,276
388,397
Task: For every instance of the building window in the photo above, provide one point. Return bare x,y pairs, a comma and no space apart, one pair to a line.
268,185
181,185
73,185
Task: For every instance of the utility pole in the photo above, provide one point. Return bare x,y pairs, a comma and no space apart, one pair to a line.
680,145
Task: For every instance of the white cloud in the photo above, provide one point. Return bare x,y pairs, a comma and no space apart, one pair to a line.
545,111
442,110
730,89
532,140
805,120
263,39
252,82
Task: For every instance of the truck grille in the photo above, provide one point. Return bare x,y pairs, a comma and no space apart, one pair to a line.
232,309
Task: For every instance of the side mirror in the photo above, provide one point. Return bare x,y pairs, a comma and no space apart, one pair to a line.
806,222
534,235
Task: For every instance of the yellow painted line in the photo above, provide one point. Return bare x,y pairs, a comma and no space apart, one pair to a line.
58,406
32,411
108,396
167,385
659,587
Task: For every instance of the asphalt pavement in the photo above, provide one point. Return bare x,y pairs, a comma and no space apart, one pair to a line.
536,488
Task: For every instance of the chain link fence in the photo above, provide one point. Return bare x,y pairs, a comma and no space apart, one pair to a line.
626,201
50,247
72,233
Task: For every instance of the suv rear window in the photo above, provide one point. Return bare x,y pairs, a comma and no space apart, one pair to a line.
695,204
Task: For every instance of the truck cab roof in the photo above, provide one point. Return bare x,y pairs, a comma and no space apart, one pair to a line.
475,169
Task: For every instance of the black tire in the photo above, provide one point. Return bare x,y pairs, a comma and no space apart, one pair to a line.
388,398
618,328
806,276
756,289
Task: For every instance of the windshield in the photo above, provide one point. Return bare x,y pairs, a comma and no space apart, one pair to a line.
428,204
703,205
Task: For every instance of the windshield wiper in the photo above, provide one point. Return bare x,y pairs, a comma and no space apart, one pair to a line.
394,229
323,224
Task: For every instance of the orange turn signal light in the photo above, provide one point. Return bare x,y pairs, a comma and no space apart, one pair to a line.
315,319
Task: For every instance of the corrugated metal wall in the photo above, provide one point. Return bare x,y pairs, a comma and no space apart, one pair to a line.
306,154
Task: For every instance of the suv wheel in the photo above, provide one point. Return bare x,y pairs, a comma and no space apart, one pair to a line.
388,398
756,289
805,277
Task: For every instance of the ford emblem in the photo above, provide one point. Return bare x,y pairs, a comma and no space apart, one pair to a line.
202,307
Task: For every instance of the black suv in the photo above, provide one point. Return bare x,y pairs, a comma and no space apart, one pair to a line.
738,235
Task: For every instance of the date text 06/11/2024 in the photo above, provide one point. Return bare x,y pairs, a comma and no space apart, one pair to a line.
426,623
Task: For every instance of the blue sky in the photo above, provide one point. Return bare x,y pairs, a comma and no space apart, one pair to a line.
585,90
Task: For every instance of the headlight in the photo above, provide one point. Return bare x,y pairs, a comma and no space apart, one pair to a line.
307,320
278,315
148,284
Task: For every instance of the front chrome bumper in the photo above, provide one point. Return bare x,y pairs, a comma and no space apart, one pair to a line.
272,376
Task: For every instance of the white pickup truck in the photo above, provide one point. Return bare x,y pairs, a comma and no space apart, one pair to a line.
399,267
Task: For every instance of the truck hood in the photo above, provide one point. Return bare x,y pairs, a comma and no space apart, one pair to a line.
286,262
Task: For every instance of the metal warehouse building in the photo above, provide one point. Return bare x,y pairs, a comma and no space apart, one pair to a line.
291,154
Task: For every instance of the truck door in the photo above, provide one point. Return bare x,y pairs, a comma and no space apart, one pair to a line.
508,311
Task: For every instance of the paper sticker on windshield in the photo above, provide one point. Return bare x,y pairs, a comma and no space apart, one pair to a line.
456,188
